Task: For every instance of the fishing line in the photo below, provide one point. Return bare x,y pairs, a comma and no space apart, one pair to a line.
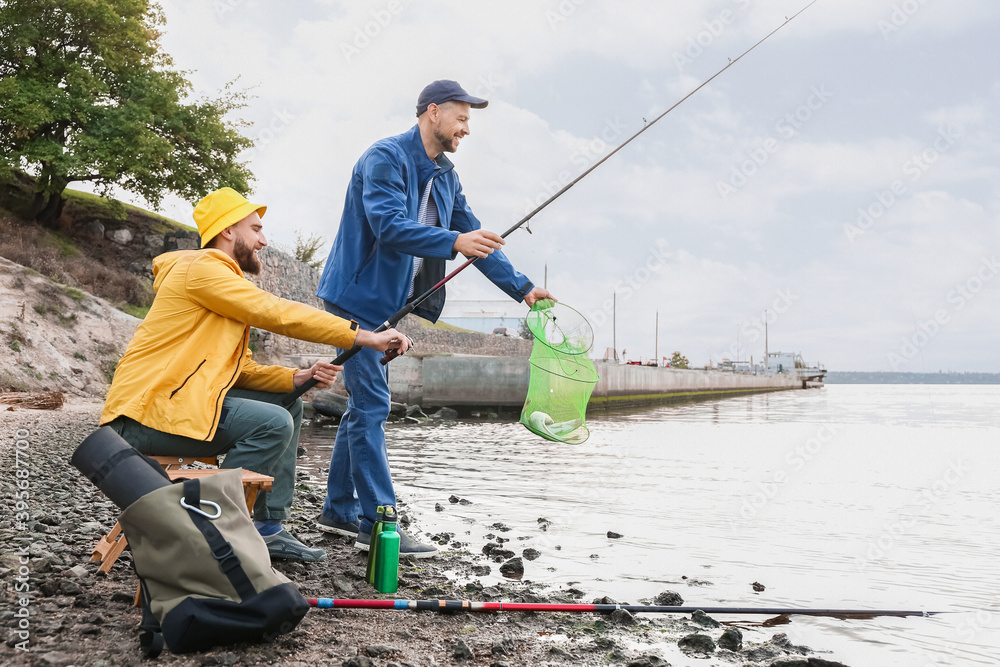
408,308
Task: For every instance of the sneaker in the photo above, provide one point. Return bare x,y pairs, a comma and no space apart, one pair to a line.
327,525
283,546
407,545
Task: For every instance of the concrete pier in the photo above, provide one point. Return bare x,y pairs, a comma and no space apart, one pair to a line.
471,380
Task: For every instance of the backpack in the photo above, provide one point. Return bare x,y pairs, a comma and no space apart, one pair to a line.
205,575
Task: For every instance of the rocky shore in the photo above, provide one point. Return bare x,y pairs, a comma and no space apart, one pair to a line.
79,617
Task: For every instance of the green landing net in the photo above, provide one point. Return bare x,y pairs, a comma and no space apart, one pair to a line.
562,374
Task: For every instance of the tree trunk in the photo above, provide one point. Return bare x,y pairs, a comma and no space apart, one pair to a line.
47,205
47,210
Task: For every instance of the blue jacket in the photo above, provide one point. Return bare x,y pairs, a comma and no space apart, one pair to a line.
370,266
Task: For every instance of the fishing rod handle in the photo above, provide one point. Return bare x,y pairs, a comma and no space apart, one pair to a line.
289,398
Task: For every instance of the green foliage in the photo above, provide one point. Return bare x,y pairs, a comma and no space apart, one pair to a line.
134,311
10,382
15,345
80,356
86,94
109,366
307,248
524,331
74,293
64,245
679,361
56,309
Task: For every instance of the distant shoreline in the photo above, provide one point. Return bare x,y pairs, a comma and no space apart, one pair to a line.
885,377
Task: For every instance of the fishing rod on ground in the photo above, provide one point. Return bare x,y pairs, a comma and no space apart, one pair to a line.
408,308
467,605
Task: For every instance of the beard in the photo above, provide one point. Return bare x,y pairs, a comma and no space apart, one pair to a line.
447,143
245,258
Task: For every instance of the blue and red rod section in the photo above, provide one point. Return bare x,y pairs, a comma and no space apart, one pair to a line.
468,605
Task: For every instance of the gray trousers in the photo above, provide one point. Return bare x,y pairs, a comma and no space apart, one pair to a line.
255,433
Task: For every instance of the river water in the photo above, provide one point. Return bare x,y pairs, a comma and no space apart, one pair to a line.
850,496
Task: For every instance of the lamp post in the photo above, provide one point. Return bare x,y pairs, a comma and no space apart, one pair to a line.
737,343
766,355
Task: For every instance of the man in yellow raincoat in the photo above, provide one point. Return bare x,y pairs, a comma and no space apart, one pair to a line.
188,385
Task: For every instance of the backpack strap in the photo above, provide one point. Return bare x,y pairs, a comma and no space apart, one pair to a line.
222,550
98,475
150,636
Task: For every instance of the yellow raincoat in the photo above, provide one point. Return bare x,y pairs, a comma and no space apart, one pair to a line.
192,346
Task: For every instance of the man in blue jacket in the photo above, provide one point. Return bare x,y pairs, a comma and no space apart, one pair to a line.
404,217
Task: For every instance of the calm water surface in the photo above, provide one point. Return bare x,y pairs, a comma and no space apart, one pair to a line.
851,496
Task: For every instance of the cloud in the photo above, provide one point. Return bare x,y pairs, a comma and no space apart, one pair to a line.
569,80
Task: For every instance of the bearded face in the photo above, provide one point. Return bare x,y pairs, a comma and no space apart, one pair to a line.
447,143
246,257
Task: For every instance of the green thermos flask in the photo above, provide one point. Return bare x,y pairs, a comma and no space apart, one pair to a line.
373,544
387,555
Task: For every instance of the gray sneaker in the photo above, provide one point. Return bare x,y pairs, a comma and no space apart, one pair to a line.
407,545
328,525
282,546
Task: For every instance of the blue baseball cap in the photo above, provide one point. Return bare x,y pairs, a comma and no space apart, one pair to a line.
442,91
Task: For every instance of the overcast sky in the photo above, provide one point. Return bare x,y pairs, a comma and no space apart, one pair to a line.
840,178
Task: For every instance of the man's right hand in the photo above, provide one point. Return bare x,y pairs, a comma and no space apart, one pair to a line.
478,243
390,339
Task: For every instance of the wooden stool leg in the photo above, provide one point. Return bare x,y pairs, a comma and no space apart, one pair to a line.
250,491
105,544
109,548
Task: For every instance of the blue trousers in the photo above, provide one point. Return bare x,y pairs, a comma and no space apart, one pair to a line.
255,433
359,479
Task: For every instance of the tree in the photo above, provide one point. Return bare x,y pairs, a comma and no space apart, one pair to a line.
306,249
524,331
86,94
678,360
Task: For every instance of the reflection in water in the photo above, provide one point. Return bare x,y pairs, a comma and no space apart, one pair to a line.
850,496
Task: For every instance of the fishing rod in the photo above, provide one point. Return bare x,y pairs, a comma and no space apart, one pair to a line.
408,308
467,605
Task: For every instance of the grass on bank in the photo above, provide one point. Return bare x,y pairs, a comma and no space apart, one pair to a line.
17,192
46,253
87,205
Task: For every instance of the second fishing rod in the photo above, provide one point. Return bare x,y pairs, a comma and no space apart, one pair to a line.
395,318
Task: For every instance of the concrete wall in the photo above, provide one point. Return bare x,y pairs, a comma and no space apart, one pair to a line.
622,385
469,380
459,380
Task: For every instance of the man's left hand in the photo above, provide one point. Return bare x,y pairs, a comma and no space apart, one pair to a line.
324,373
536,294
